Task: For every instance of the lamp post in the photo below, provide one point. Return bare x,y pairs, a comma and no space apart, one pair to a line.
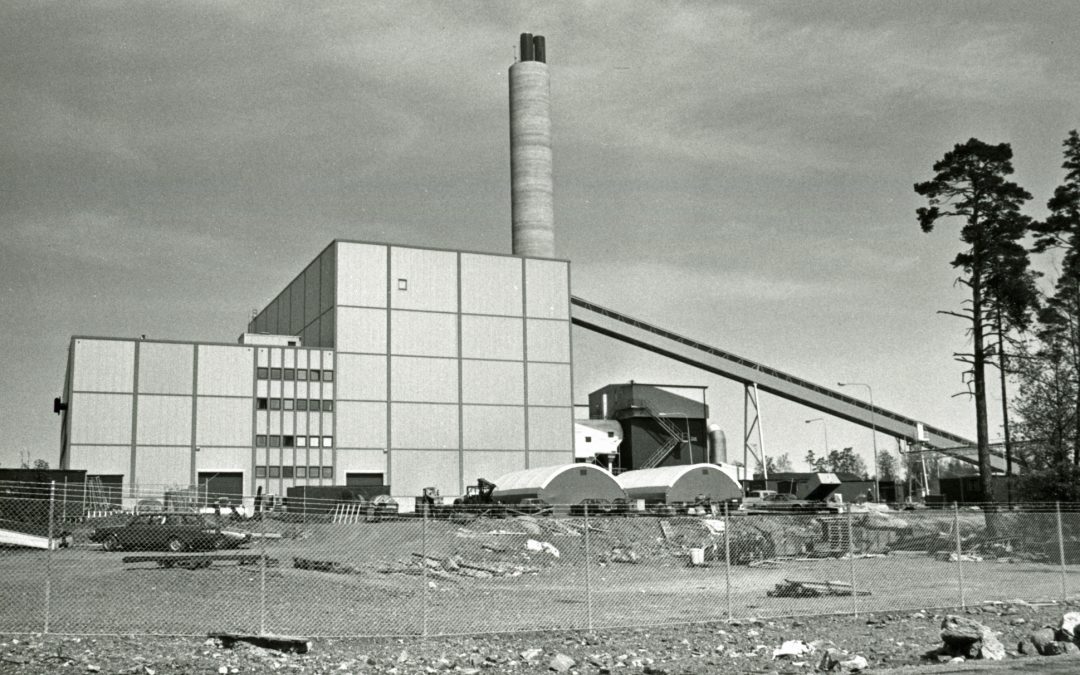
873,430
824,430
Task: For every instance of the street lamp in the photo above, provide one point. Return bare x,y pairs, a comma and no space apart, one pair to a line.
873,430
824,430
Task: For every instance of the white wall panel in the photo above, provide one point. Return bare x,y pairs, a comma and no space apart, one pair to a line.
104,365
162,466
549,384
412,471
275,357
423,334
359,461
224,421
547,289
361,274
275,422
423,380
224,460
361,425
225,371
491,284
549,340
102,460
497,382
551,429
165,368
490,465
262,357
419,425
489,427
164,420
100,418
549,459
361,330
430,279
492,337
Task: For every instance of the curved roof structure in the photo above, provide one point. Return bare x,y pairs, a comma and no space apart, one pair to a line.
681,483
558,484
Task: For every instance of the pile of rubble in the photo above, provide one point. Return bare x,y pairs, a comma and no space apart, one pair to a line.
1048,641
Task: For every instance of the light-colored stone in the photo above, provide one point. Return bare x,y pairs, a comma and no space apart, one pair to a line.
561,663
1069,622
855,664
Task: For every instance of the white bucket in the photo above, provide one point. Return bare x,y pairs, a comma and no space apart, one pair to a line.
697,556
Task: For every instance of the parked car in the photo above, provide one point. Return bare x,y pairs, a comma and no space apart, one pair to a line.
172,531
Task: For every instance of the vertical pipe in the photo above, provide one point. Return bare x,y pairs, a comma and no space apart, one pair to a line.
851,563
262,577
959,555
761,435
48,556
588,576
727,559
423,576
531,180
1061,553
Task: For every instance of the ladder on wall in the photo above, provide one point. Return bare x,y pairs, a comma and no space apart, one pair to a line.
675,437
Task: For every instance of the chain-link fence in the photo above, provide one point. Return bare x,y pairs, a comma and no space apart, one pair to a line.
357,568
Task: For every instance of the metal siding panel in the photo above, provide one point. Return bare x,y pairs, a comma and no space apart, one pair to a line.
326,330
496,382
431,279
164,420
165,368
361,425
360,376
423,334
311,278
296,306
537,459
548,340
423,380
104,365
420,425
490,465
310,336
224,421
272,316
547,289
491,337
361,330
413,470
494,428
549,384
160,466
225,371
551,429
327,277
361,275
102,459
490,284
100,418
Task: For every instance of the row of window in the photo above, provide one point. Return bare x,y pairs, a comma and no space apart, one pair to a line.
294,472
263,403
288,441
289,374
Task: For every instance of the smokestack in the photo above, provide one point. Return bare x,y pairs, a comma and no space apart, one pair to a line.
532,211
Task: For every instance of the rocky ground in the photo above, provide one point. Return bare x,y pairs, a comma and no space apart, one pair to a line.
883,640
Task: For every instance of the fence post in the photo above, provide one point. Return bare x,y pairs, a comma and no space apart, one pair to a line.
424,575
588,578
1061,553
48,555
262,577
851,563
959,554
727,559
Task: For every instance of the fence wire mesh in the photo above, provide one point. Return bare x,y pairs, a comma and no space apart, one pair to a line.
363,569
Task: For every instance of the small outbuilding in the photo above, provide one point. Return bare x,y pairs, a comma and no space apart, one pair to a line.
560,484
681,484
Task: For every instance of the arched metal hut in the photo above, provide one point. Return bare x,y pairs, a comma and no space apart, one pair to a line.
560,484
679,484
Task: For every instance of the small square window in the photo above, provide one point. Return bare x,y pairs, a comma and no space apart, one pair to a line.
403,284
301,472
289,373
301,404
286,472
260,472
588,439
275,441
327,376
275,404
313,404
313,472
288,441
313,441
328,472
262,373
289,404
260,440
301,441
328,441
313,375
301,374
275,373
611,434
275,472
260,403
328,406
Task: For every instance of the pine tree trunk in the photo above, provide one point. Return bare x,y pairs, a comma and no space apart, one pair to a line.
986,482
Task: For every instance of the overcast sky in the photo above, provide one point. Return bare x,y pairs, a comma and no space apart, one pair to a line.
739,173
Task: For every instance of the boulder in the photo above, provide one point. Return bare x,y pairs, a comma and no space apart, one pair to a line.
1041,638
561,663
1068,624
969,638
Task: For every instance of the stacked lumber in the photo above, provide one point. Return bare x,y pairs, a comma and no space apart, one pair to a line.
791,588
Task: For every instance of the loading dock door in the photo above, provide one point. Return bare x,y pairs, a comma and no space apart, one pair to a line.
215,485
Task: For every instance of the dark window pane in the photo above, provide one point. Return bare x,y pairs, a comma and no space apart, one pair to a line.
275,373
286,472
313,404
313,375
262,373
328,406
275,404
260,403
275,472
328,472
289,404
289,373
313,472
327,376
260,472
301,472
275,441
301,404
301,374
260,440
287,441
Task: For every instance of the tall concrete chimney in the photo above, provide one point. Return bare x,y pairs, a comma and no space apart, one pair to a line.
532,212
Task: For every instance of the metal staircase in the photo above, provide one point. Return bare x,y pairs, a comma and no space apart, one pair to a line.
675,437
